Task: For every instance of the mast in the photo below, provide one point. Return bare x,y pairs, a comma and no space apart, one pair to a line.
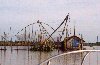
74,31
25,36
97,39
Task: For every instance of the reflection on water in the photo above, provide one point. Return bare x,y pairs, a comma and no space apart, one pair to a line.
72,59
25,57
93,58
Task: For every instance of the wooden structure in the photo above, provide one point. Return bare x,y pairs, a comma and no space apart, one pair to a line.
73,43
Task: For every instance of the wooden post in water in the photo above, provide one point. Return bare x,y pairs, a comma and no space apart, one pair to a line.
81,42
65,43
66,37
4,45
10,39
4,41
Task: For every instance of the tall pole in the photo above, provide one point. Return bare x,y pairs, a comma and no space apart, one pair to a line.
32,33
11,38
97,40
97,49
10,35
74,31
25,34
66,37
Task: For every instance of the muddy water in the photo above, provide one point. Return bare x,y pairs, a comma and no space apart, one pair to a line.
25,57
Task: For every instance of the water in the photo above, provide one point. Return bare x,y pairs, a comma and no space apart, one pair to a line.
93,58
25,57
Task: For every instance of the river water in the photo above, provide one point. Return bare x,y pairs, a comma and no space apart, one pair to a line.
25,57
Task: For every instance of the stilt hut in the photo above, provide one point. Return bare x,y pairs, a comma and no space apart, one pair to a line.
73,43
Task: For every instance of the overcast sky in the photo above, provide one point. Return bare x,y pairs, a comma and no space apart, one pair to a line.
85,14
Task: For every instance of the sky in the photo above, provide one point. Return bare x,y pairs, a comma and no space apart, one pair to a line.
84,14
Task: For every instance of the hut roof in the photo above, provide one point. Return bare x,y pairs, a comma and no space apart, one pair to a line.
68,38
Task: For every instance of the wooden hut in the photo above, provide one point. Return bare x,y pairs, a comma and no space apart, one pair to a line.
73,43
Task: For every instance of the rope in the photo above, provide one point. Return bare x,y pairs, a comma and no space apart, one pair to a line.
59,26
